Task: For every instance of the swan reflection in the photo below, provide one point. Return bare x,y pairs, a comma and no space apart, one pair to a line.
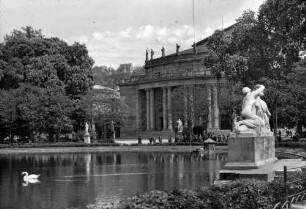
26,182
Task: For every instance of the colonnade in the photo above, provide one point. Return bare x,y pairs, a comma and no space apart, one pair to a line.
167,108
213,109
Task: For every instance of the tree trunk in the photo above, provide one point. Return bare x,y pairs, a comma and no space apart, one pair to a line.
299,127
51,136
105,133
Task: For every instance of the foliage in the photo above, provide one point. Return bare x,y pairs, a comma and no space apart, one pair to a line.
242,193
292,144
57,144
294,110
265,48
189,103
109,77
154,199
42,81
245,193
107,110
230,100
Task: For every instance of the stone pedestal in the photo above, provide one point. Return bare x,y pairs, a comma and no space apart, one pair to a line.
265,173
246,151
87,138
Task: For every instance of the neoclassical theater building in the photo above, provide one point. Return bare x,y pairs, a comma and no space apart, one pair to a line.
149,96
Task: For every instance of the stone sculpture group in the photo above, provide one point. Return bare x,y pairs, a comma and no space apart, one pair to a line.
255,113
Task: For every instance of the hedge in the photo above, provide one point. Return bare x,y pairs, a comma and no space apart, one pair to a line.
244,193
82,144
292,144
179,144
241,193
57,144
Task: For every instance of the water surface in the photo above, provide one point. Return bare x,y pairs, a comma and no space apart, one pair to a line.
80,179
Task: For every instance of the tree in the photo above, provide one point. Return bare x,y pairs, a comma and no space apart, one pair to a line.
46,80
8,114
264,49
190,105
106,108
294,111
103,76
230,100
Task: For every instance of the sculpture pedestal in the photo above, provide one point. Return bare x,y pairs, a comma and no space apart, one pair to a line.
246,151
87,138
251,156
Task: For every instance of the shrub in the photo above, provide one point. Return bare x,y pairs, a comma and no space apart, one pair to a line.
293,144
185,199
153,199
244,193
57,144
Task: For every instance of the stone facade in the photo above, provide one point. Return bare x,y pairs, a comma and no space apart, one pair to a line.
149,96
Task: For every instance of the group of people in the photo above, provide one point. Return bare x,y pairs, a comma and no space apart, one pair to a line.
200,138
216,137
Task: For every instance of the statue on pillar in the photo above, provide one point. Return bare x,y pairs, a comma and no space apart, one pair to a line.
86,127
255,114
179,124
152,54
194,47
86,135
147,55
163,52
252,145
177,49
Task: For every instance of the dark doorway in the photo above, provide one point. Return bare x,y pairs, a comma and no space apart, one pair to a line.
225,123
161,122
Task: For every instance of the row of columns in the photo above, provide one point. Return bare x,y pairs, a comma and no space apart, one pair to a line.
167,108
213,109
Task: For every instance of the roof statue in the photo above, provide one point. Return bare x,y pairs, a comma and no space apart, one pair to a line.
152,54
163,52
147,55
177,49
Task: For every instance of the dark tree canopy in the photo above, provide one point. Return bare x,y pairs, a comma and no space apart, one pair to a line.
265,48
42,81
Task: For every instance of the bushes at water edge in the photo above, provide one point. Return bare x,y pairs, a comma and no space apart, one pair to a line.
244,193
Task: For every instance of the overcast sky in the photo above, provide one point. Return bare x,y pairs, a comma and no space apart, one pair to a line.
119,31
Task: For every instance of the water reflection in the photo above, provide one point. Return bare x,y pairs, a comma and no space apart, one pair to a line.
30,181
76,180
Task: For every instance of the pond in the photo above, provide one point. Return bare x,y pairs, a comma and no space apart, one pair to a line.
80,179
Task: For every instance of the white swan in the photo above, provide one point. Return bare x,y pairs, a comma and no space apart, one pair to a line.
28,177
